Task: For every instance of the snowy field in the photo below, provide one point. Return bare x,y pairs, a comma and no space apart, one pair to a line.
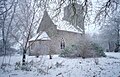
64,67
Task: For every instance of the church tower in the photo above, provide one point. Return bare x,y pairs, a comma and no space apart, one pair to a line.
73,13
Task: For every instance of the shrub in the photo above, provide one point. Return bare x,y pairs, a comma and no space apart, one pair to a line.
99,50
84,48
70,51
26,67
66,52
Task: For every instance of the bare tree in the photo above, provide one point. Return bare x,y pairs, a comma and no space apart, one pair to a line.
7,11
106,10
26,20
110,32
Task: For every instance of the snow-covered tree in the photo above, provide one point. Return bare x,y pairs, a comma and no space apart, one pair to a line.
110,32
7,11
26,20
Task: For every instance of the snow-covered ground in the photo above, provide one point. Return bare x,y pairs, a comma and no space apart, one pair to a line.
64,67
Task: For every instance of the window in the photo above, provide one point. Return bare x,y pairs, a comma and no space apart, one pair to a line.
62,45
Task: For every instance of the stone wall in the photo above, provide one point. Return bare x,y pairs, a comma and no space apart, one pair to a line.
70,38
54,45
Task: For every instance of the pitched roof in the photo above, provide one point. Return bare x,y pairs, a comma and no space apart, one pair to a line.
46,22
66,26
42,36
72,31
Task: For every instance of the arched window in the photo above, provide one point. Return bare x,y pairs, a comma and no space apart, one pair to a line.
62,44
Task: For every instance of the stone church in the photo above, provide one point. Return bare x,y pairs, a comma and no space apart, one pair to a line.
50,40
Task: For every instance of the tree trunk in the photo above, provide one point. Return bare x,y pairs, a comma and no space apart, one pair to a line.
24,57
117,44
50,56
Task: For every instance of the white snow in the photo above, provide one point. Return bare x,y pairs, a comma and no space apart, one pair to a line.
42,36
67,27
116,55
69,67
